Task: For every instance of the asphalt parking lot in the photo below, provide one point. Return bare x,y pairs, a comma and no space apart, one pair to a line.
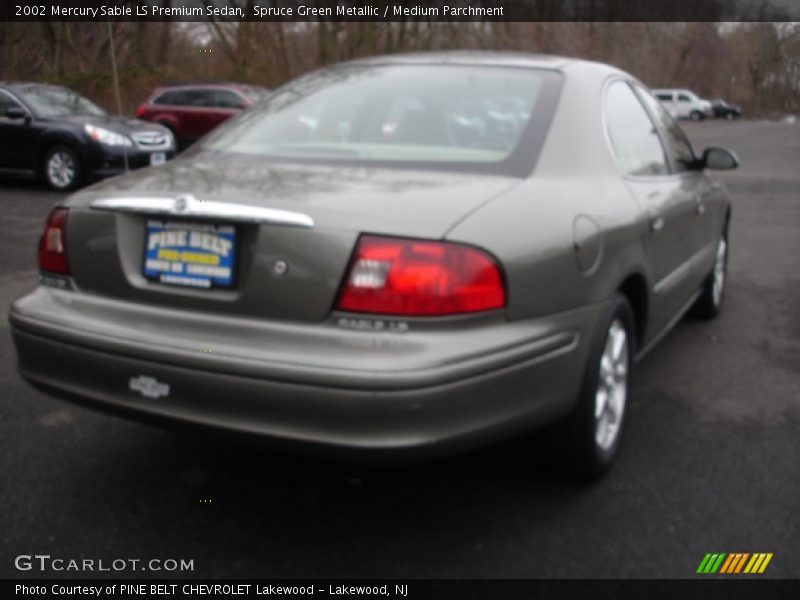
710,464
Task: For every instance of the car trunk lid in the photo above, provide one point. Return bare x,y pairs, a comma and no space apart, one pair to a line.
287,267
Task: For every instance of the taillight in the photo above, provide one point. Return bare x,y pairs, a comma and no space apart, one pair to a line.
410,277
140,110
53,243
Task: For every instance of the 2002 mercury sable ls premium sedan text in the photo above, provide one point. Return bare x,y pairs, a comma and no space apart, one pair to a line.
409,253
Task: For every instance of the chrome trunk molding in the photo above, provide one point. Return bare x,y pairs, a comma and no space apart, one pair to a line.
189,206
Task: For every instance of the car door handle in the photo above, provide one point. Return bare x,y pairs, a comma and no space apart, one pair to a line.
656,224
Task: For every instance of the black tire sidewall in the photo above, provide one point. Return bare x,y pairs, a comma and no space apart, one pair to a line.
705,308
589,461
78,169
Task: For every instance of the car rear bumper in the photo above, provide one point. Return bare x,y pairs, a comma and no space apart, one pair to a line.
420,391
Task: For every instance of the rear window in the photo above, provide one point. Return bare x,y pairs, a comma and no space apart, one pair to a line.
419,115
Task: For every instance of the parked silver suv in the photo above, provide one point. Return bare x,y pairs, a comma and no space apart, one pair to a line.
685,104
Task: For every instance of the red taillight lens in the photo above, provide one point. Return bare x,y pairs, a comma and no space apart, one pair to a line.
53,244
409,277
140,110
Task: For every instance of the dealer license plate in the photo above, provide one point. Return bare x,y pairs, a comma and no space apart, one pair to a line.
199,255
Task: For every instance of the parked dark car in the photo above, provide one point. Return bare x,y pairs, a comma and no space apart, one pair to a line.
190,110
724,110
407,253
55,133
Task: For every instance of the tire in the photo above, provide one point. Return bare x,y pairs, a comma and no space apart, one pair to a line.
586,443
709,304
730,116
62,168
696,116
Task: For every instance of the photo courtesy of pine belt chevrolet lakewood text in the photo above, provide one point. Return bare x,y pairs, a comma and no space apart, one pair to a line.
410,254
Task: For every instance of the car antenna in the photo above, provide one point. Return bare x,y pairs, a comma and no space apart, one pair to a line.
116,88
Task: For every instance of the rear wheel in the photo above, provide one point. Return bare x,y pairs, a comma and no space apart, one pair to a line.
587,442
709,304
696,116
62,168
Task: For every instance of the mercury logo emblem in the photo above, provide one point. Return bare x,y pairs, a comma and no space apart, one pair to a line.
181,203
149,387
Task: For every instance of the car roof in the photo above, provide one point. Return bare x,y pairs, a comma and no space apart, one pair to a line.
182,84
16,85
471,57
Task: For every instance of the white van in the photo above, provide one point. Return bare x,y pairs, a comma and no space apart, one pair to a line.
685,104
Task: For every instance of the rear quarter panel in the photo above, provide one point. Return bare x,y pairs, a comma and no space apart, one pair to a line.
534,231
575,199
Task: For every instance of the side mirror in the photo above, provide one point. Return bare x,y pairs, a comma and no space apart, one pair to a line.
720,159
15,112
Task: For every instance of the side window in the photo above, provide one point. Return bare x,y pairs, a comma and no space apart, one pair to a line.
634,137
172,98
187,97
684,98
166,99
7,102
677,141
227,99
664,97
201,98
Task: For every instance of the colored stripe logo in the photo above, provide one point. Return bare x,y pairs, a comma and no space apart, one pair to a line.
735,562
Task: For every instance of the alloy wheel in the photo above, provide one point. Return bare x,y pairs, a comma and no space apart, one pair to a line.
718,281
61,169
612,386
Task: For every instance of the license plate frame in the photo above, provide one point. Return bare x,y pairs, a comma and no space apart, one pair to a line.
190,254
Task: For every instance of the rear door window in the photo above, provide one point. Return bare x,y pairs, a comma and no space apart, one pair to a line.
676,139
228,99
202,98
634,137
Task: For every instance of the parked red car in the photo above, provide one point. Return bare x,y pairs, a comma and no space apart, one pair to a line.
190,110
